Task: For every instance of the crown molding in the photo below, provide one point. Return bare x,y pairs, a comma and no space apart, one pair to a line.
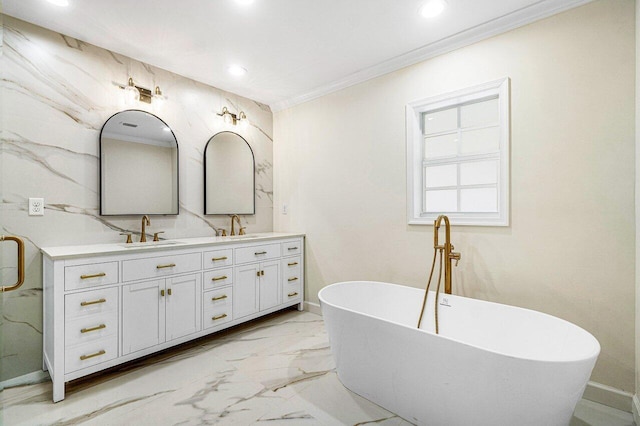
502,24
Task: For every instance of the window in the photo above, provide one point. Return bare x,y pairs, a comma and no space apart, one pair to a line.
458,156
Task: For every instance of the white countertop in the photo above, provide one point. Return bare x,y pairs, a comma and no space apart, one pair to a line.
68,252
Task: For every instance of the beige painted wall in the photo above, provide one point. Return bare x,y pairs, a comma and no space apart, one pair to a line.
340,166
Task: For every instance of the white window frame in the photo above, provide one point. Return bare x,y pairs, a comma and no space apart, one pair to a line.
415,154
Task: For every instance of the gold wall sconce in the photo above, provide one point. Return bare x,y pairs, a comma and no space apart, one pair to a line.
231,118
135,93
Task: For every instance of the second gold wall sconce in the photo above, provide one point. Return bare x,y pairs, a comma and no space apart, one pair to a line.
231,118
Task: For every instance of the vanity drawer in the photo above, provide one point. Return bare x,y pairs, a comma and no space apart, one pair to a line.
218,258
257,253
218,278
90,275
290,248
217,307
91,353
91,328
291,267
292,292
154,267
91,303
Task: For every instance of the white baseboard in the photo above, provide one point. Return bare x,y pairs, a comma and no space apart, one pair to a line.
636,409
27,379
314,308
606,395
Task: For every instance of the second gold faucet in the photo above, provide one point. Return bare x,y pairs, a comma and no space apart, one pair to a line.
235,218
143,234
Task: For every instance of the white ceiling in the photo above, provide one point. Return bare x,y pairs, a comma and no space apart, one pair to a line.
294,50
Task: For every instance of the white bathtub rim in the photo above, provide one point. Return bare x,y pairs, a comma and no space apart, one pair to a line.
593,355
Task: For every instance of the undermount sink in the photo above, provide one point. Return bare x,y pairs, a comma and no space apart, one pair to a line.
151,244
242,237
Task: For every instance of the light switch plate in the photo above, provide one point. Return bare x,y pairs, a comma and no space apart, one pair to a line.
36,206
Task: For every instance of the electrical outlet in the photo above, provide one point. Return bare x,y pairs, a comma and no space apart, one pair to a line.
36,206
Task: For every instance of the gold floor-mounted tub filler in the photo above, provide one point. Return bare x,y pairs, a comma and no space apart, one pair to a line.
449,256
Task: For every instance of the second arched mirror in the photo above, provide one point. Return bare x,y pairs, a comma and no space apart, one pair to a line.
229,175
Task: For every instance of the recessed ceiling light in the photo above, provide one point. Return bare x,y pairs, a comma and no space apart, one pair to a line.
62,3
237,70
432,8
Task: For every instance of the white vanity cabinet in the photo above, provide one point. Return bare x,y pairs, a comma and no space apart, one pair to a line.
108,304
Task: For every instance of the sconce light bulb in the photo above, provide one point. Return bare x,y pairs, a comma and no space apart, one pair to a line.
158,98
242,120
228,119
131,93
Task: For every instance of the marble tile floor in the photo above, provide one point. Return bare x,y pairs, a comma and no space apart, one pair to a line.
275,370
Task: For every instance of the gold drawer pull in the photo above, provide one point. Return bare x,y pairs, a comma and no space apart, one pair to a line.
293,279
217,317
292,264
224,277
86,277
168,265
99,327
295,293
169,292
215,259
260,252
93,302
83,357
224,296
292,248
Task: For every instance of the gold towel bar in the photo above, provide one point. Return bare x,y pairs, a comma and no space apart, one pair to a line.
20,280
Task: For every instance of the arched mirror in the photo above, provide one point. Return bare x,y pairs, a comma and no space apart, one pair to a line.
138,165
229,175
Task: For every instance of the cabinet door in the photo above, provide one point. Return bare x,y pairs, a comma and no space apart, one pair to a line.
182,303
143,315
269,284
245,290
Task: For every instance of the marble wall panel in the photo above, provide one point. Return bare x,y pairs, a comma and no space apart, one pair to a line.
56,93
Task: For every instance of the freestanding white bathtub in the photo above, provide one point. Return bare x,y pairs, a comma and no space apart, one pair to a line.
491,364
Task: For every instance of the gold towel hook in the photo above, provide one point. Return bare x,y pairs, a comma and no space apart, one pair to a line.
20,244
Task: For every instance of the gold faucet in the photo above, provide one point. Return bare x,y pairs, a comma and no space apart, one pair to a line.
143,234
449,254
235,218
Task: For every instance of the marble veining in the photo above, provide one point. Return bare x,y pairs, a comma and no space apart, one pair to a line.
56,92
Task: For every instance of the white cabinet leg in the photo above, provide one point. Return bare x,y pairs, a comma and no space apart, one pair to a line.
301,306
58,390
